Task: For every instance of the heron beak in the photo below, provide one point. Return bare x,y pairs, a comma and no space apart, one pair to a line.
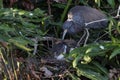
64,33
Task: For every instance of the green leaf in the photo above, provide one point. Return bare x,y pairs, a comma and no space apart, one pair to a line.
77,59
95,50
118,27
28,25
102,69
6,27
114,53
1,4
20,42
59,5
3,38
87,59
112,3
38,12
91,74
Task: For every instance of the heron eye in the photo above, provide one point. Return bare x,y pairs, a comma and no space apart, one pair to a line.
70,17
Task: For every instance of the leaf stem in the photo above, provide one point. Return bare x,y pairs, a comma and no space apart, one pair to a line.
1,4
65,10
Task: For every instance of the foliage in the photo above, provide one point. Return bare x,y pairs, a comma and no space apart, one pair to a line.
84,59
19,28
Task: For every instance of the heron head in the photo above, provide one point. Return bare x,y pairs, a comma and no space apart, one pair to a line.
73,24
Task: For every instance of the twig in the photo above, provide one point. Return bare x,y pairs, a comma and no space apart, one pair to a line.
49,7
5,65
65,10
35,45
36,39
102,35
45,38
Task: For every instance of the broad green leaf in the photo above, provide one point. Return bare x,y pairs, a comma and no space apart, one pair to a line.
77,59
74,53
90,74
114,53
112,3
100,67
87,59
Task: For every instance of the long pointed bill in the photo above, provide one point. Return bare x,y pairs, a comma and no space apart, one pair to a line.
64,33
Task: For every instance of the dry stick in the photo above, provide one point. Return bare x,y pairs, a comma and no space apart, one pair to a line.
13,67
49,7
6,67
39,39
101,36
35,45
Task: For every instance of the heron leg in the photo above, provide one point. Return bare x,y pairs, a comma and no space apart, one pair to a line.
87,32
78,43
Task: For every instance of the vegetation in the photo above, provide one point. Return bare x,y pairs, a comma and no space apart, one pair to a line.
29,30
